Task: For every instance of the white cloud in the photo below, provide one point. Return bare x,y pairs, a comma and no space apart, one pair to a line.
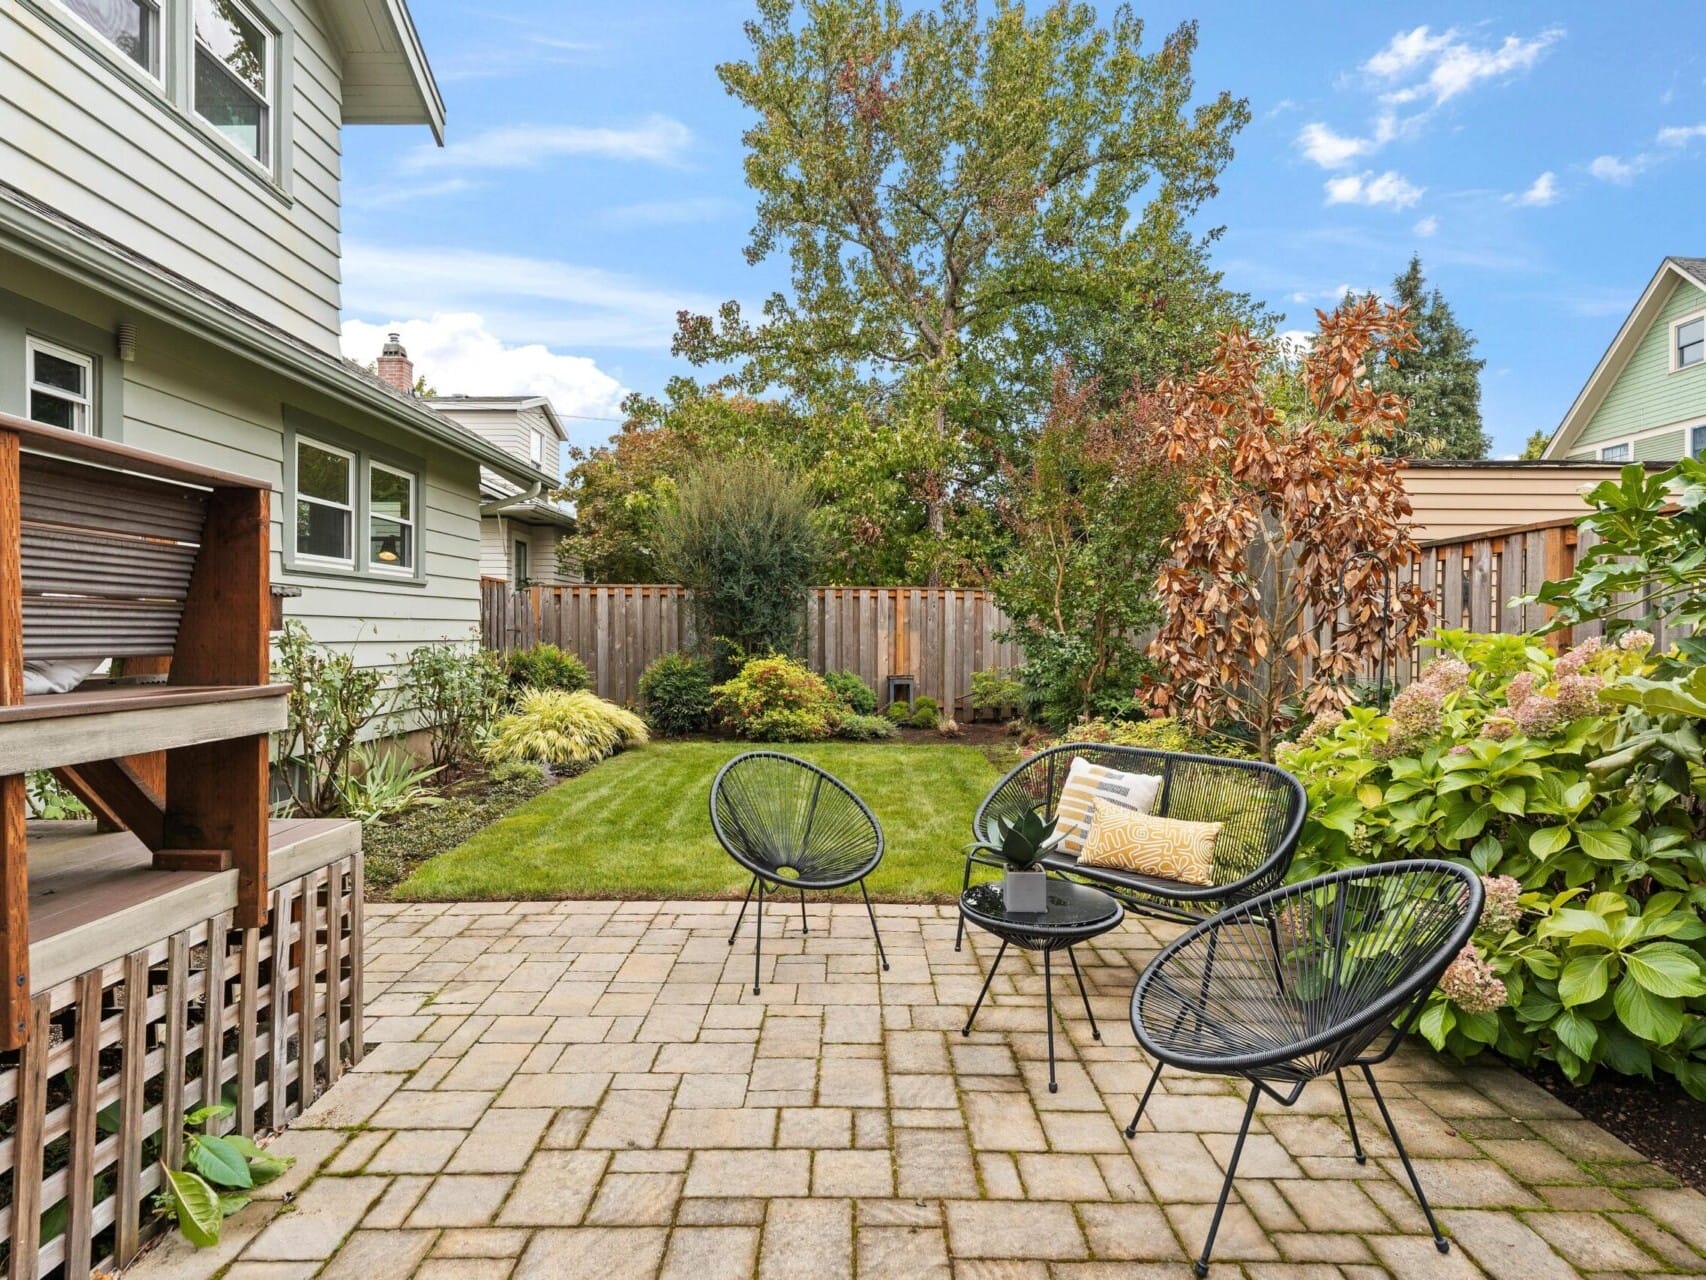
560,303
1421,65
459,355
1389,188
1426,226
1294,344
1334,294
1612,169
657,139
1680,135
395,194
1332,150
1540,193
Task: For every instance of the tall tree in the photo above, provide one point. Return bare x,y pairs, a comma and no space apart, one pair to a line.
1441,378
963,198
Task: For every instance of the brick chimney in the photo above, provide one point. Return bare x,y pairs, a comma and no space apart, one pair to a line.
395,366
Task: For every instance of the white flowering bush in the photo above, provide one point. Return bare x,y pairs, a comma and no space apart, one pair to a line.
1574,784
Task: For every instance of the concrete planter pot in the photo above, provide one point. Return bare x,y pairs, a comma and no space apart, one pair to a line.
1025,891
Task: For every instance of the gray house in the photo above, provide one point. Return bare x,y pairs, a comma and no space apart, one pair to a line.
169,267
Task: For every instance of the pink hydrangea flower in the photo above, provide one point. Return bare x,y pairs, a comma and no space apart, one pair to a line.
1635,641
1577,658
1578,696
1447,675
1498,728
1539,717
1503,907
1520,689
1471,985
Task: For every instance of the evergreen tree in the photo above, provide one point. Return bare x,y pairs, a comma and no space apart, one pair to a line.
1441,378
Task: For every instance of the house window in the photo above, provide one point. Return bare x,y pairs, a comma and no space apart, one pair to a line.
325,502
130,26
521,566
1617,452
535,448
1697,442
233,75
1690,346
390,519
61,387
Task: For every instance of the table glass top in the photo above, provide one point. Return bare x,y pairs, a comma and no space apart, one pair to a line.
1070,906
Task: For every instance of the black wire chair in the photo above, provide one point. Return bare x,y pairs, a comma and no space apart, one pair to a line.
1304,982
795,827
1260,808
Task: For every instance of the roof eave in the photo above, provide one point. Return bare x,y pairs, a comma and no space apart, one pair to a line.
392,17
61,250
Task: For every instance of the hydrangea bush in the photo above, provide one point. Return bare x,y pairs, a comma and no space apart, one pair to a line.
1574,783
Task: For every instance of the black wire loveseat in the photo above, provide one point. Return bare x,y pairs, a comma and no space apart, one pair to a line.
1259,805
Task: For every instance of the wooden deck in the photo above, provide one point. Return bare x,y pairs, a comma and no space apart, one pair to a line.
93,896
101,722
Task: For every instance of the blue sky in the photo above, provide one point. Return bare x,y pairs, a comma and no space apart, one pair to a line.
1541,158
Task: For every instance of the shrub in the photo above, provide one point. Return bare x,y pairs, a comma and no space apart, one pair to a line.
858,728
898,712
926,712
857,696
457,693
331,700
558,728
743,536
775,699
1571,782
47,798
997,689
676,693
950,728
545,666
384,782
1161,733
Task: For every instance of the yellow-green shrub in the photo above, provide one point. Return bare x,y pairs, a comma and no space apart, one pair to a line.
559,728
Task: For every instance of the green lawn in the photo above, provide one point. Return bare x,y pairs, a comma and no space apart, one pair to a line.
638,826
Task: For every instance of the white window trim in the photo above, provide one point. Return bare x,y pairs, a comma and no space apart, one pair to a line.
1675,364
86,401
403,569
308,557
525,546
156,73
269,102
1601,449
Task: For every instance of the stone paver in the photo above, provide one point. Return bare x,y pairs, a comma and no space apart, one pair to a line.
589,1090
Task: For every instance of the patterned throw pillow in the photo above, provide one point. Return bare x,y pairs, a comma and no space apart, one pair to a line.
1125,839
1085,782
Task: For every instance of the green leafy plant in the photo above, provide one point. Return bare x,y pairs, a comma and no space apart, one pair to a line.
998,689
743,536
1024,841
457,692
221,1173
331,701
856,728
898,712
552,727
676,693
45,797
1161,733
857,696
926,711
775,699
1575,783
545,666
383,782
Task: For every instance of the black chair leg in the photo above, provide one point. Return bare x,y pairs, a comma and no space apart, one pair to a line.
741,918
1350,1118
1155,1075
875,932
1095,1031
960,928
804,928
1048,1015
972,1016
758,940
1201,1264
1440,1242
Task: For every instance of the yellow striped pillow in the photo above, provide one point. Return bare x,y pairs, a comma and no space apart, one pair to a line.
1086,781
1125,839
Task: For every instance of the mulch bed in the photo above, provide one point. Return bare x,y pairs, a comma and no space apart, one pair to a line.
393,849
1657,1117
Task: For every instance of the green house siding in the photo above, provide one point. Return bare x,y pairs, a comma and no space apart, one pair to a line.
1665,447
1647,394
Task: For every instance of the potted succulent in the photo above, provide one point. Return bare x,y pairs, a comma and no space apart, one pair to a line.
1022,843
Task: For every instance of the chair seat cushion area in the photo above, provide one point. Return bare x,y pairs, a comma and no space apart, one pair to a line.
1085,784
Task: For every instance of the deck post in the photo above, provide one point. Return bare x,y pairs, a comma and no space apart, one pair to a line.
14,858
216,793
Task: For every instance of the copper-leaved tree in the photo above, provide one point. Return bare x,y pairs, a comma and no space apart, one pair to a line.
1292,565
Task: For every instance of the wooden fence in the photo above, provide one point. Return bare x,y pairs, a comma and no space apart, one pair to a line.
115,1057
1475,582
937,635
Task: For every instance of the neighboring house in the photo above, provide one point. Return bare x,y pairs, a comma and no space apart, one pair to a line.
169,267
519,527
1646,400
1451,499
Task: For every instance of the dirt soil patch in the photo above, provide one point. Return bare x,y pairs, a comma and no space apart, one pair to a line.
1657,1117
